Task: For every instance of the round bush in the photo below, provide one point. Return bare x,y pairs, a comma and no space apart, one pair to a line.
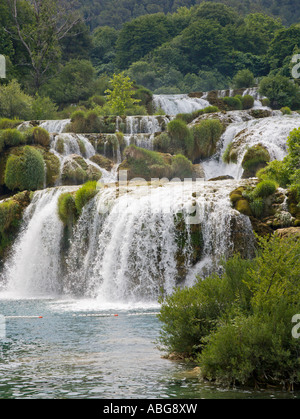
247,101
182,167
25,172
12,137
286,110
264,189
233,103
41,136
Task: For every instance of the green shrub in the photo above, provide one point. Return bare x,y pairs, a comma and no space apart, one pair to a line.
265,102
264,189
181,137
190,314
2,144
247,101
6,123
12,137
14,103
286,110
98,100
25,172
257,206
78,122
211,109
67,211
92,122
233,103
41,136
182,167
87,192
189,117
238,325
9,211
146,164
162,143
243,79
206,136
43,108
255,158
275,171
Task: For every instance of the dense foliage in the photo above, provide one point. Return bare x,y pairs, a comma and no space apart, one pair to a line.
115,13
237,326
164,46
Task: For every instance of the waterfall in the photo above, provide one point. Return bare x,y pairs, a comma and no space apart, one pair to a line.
175,104
66,145
141,130
133,242
55,126
124,247
271,132
34,267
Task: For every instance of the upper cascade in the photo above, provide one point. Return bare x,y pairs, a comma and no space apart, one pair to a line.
270,132
175,104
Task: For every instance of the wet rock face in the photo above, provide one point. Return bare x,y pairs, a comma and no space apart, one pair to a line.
280,211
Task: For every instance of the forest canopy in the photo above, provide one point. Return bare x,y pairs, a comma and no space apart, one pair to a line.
67,54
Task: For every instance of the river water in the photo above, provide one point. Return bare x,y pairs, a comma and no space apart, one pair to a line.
75,352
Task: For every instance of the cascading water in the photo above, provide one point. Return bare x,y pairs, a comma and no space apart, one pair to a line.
55,126
125,245
175,104
271,132
35,265
130,246
141,130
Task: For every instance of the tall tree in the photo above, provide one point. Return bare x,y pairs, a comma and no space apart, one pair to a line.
48,24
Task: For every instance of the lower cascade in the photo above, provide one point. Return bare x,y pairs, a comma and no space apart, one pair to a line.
129,245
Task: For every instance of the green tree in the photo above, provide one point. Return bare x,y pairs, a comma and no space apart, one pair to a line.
243,78
14,103
280,91
256,33
204,44
216,12
76,81
283,45
119,97
139,37
49,23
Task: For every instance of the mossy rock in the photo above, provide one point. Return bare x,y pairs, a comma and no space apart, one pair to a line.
53,168
77,171
11,212
255,159
236,195
145,164
214,99
260,113
243,206
103,162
